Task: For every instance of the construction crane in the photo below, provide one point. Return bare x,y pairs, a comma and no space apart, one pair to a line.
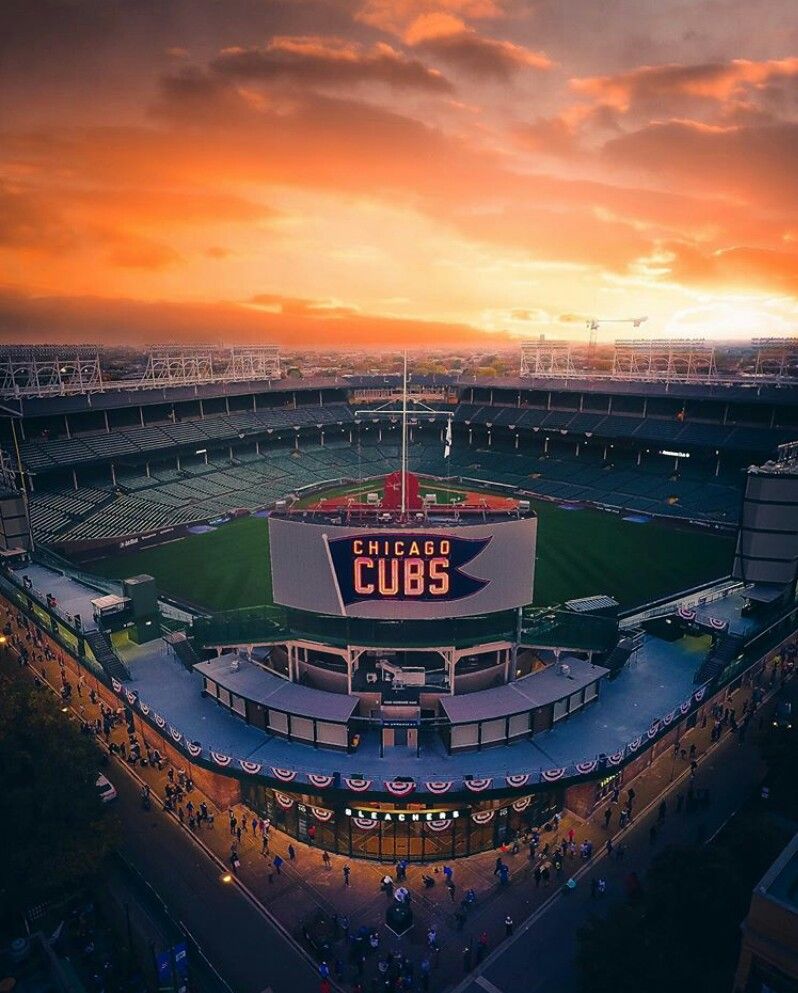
594,323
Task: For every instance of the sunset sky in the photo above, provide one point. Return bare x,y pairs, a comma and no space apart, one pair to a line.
359,172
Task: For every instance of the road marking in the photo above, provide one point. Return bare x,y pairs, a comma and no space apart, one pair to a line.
486,984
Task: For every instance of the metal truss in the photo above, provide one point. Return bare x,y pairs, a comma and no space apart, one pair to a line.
169,366
774,359
548,360
678,360
36,373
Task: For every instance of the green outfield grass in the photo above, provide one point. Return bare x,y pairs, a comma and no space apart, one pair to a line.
580,553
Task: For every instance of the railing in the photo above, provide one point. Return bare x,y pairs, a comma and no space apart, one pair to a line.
698,596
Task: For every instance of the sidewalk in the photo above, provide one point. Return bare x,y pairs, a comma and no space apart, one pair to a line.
305,885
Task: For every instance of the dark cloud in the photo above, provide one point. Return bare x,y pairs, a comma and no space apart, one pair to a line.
314,61
476,55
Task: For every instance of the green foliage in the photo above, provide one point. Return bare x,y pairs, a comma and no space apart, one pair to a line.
54,830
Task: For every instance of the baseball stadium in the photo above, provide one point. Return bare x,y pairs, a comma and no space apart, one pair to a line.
407,616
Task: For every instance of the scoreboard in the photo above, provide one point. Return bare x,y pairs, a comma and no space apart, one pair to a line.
454,569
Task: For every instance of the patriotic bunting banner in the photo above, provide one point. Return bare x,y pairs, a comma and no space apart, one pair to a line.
321,815
698,696
478,785
144,707
286,802
322,782
482,816
634,745
583,768
176,735
437,825
717,623
616,758
284,775
131,697
160,721
522,804
358,785
365,823
251,767
194,748
686,614
399,788
552,775
684,707
219,759
652,731
668,717
116,685
521,779
439,786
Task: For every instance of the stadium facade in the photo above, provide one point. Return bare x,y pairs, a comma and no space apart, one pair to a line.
403,698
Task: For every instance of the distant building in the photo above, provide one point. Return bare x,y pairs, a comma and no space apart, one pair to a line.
769,952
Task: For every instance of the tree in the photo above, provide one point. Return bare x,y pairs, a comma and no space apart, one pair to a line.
54,830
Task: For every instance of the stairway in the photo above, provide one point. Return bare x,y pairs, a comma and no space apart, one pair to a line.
106,655
723,653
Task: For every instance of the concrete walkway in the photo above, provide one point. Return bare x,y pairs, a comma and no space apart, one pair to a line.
305,884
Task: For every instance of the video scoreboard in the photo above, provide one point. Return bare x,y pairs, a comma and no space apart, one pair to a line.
455,569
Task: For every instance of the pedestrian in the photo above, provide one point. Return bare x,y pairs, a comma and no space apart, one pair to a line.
448,873
432,938
238,834
482,946
291,853
607,818
508,926
425,968
460,917
451,888
467,959
538,876
264,845
346,871
325,858
570,836
278,864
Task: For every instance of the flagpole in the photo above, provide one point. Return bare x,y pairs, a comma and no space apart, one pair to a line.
404,438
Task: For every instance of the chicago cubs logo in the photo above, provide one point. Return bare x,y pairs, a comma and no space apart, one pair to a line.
405,567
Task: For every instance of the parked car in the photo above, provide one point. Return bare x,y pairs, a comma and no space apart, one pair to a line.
106,789
783,717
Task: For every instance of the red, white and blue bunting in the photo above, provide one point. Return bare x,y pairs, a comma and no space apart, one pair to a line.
253,768
365,823
116,685
652,731
144,707
320,814
686,614
482,816
194,748
222,760
718,623
322,782
522,804
616,758
634,745
521,779
399,788
552,775
684,707
583,768
160,721
438,786
286,802
358,785
438,825
176,735
478,785
284,775
698,696
668,718
131,696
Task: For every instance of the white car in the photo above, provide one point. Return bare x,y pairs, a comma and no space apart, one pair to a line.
106,789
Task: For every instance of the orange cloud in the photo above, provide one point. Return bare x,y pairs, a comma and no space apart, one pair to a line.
396,16
714,81
475,54
312,61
